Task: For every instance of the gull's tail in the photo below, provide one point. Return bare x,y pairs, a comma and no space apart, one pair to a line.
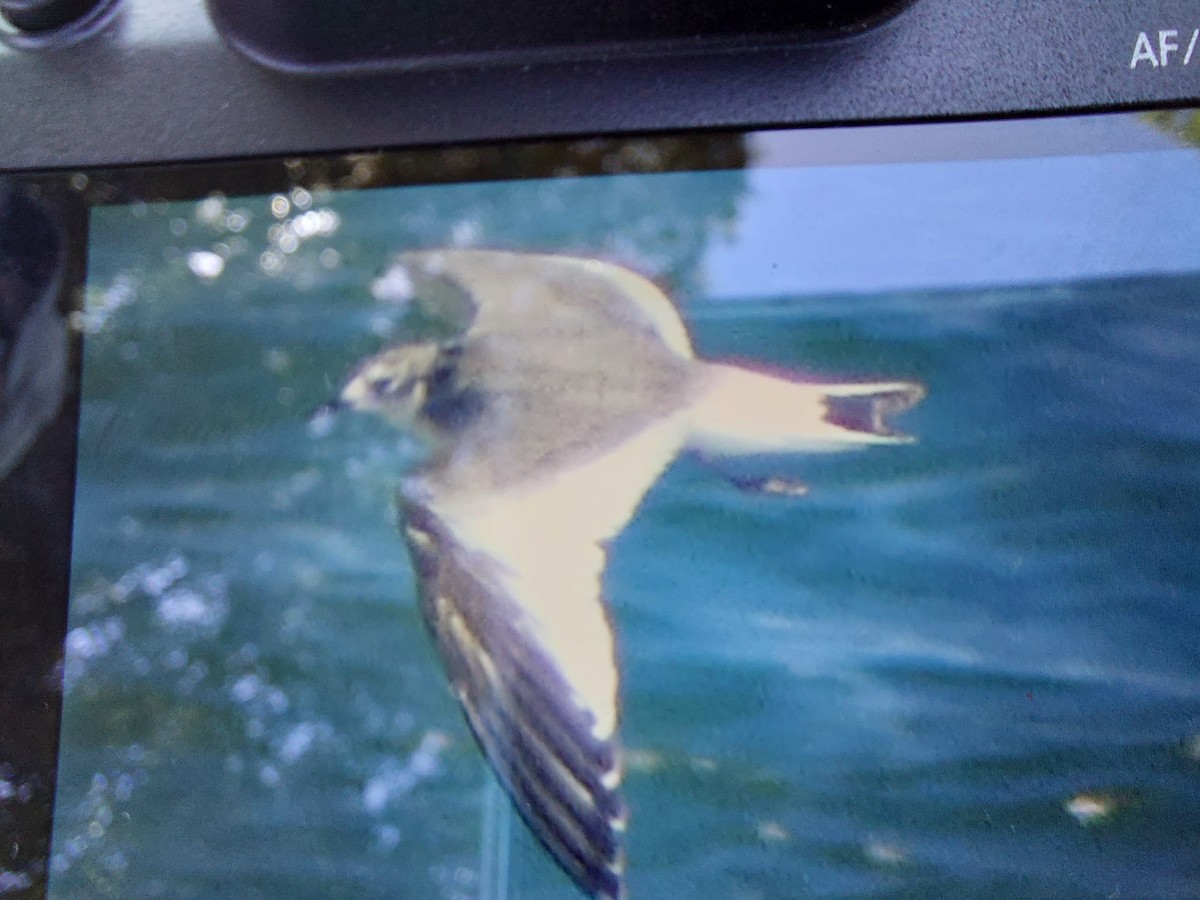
744,411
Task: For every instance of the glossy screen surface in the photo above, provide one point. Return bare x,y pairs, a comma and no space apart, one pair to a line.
965,666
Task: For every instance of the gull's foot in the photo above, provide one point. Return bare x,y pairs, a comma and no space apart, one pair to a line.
771,484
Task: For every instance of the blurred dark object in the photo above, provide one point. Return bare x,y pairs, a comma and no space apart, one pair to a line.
37,461
33,333
45,15
317,37
38,25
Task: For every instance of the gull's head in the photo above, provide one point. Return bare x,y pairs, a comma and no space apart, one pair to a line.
393,383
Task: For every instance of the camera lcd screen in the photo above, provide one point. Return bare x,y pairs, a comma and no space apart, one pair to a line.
790,513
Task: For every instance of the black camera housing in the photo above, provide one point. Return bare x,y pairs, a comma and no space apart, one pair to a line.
157,84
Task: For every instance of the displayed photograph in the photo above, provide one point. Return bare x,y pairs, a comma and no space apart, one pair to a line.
733,516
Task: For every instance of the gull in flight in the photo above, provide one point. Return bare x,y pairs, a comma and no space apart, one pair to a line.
562,389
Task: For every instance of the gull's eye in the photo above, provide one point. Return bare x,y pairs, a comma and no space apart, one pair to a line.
382,386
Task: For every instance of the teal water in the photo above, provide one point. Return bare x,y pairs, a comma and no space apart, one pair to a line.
967,667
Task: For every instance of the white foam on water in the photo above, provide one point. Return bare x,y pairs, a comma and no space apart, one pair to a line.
297,742
206,265
393,780
13,881
187,608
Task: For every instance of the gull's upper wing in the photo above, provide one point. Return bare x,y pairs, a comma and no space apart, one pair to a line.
510,588
498,292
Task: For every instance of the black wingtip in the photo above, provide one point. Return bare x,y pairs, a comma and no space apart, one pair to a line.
870,412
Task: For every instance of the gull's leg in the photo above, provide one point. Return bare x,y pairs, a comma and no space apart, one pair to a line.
772,485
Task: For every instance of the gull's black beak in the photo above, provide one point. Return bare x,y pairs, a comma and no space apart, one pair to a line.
336,405
321,419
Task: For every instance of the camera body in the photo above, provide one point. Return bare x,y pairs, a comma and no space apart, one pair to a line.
157,84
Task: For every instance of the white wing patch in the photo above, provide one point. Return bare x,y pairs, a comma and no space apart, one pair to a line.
547,543
511,591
